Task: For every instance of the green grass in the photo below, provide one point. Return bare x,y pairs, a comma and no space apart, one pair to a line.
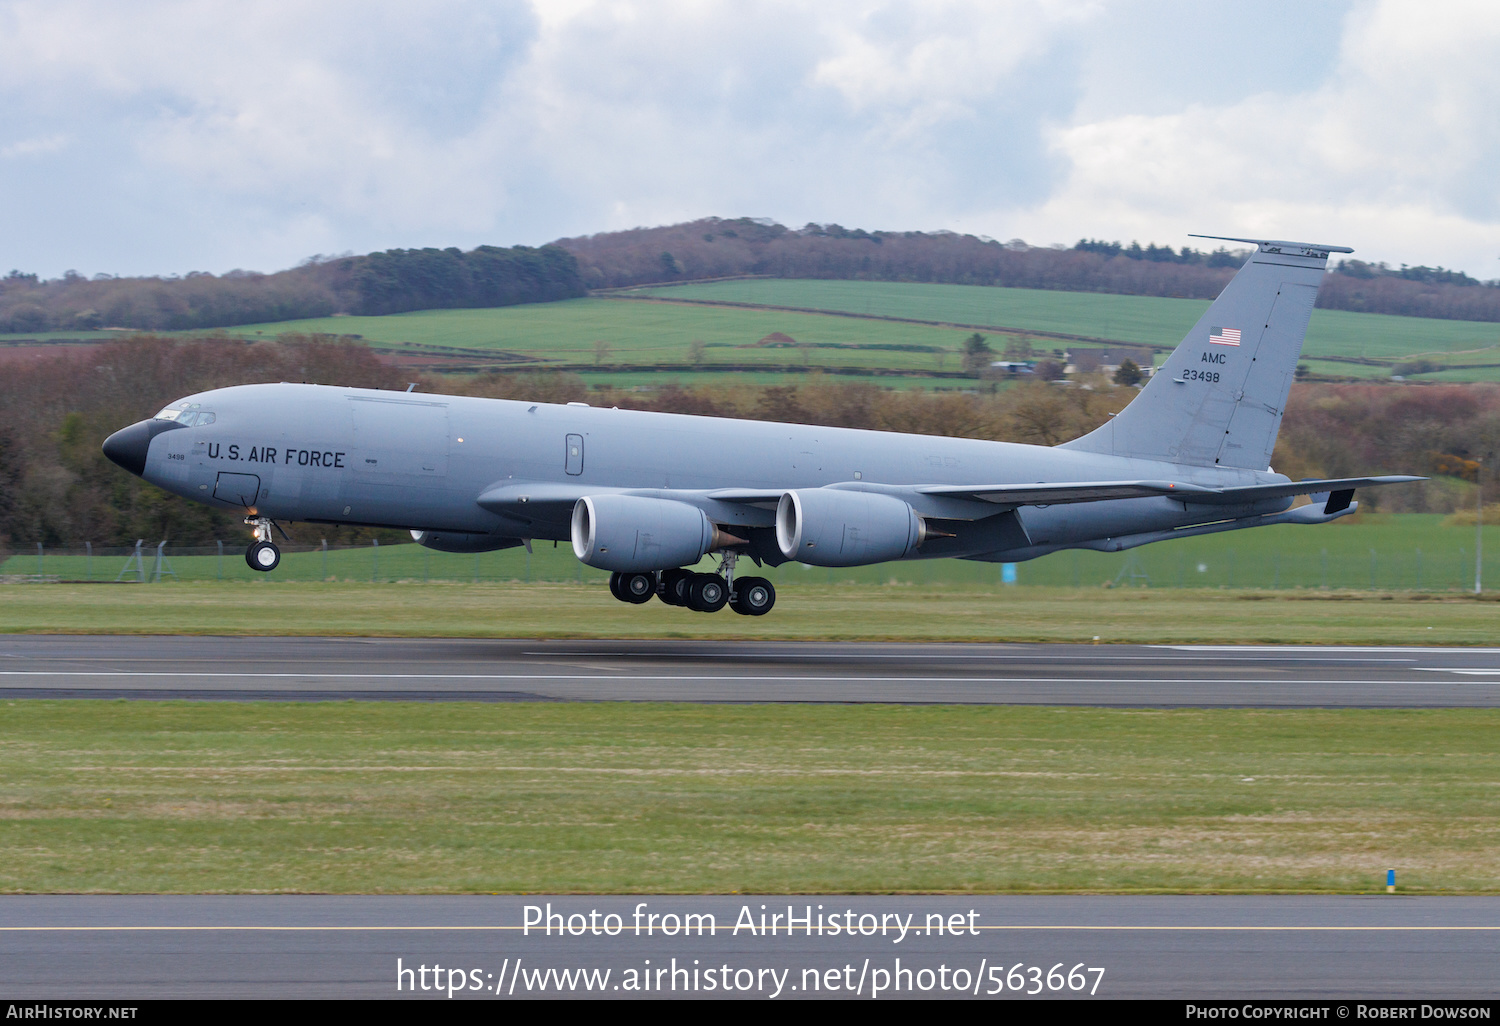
635,797
42,337
1141,319
1145,319
657,379
1365,551
649,334
641,333
804,612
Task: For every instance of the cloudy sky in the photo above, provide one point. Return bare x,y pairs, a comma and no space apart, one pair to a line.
163,137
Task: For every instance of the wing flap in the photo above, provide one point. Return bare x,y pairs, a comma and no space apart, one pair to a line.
1098,491
1042,494
1255,493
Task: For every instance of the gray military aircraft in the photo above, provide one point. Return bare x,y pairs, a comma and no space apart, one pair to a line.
646,495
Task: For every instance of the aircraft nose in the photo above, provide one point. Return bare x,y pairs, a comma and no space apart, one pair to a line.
128,446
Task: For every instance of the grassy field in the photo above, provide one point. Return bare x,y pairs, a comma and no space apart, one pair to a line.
1141,319
645,333
1365,551
640,333
805,612
406,797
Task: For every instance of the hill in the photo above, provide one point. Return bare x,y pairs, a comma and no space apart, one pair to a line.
912,330
377,283
489,276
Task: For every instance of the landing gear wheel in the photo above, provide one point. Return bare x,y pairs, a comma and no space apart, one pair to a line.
263,556
674,582
636,588
707,593
753,596
614,586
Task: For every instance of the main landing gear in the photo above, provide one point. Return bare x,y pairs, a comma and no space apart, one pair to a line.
262,555
704,593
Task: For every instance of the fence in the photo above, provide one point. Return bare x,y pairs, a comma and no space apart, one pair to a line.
1408,553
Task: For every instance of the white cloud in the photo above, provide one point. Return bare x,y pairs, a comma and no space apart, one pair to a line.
34,147
1393,153
166,135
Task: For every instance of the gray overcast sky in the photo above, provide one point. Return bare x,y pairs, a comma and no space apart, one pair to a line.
163,137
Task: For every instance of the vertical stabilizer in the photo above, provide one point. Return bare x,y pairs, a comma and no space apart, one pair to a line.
1218,399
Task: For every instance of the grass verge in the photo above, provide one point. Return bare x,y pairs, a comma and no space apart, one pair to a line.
803,612
611,797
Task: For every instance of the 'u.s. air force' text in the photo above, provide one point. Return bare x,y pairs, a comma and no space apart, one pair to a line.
269,454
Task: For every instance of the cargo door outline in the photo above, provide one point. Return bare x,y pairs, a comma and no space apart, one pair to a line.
573,455
240,489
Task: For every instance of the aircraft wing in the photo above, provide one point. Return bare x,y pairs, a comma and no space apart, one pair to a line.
1095,491
533,502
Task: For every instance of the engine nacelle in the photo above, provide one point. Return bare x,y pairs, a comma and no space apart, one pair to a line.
835,527
636,533
451,541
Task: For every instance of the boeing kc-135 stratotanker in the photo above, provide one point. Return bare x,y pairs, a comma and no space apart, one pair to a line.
646,495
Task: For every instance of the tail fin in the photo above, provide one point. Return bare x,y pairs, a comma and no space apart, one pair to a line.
1218,399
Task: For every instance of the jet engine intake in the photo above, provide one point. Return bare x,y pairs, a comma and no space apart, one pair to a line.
636,533
451,541
835,527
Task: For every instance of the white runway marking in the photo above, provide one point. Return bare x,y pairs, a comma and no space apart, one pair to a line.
1421,650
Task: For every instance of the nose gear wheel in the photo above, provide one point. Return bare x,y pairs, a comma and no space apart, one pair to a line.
263,555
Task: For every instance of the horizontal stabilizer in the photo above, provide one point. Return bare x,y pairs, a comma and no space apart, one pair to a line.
1314,250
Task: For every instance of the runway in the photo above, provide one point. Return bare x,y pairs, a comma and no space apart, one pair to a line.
262,668
1199,947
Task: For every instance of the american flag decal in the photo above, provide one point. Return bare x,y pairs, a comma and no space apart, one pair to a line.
1224,336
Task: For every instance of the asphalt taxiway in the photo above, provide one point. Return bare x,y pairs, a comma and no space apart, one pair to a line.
1209,947
249,668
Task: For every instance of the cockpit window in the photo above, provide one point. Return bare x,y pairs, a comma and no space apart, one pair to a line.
187,414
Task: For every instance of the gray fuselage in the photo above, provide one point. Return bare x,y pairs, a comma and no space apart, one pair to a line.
354,456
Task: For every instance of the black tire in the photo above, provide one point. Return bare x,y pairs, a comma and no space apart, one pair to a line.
614,586
637,588
707,593
263,556
753,596
673,589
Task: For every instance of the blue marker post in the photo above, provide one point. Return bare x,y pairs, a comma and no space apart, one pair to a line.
1390,881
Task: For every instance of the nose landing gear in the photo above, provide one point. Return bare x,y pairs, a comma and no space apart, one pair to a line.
262,555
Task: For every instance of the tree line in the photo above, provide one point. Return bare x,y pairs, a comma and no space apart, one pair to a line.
57,488
392,281
713,247
397,280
